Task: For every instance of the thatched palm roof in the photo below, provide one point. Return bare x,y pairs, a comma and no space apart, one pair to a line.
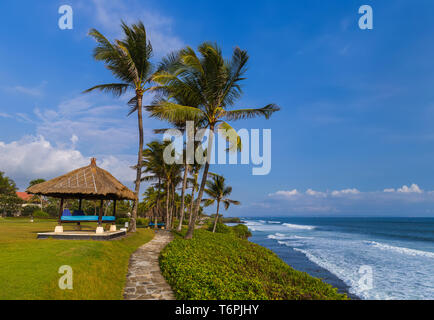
89,182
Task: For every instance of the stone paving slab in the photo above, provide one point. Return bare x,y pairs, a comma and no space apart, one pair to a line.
144,278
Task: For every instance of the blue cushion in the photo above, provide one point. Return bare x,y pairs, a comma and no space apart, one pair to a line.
66,213
87,219
78,213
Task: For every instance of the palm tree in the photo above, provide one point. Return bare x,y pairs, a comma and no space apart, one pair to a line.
128,60
218,192
34,183
167,175
153,168
212,85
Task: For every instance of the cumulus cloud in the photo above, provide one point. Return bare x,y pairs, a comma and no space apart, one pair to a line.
414,188
35,157
345,192
314,193
90,125
350,202
285,194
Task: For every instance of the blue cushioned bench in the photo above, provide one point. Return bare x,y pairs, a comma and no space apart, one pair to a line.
67,219
152,224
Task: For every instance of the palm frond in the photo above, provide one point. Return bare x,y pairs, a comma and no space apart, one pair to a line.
117,89
173,112
229,133
266,112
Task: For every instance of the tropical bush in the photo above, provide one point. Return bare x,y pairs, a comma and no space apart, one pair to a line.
29,210
142,222
122,220
220,228
242,231
224,267
40,214
230,220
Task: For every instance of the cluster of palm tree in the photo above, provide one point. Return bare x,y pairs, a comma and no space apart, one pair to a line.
161,200
199,86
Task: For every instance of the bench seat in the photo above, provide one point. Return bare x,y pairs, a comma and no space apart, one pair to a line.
152,224
87,219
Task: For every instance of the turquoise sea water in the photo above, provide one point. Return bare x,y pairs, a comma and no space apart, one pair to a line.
372,258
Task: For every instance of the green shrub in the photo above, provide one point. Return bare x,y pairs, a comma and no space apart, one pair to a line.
224,267
231,220
40,214
220,228
143,222
29,210
122,220
242,231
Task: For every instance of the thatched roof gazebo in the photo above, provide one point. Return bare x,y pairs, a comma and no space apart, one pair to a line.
89,183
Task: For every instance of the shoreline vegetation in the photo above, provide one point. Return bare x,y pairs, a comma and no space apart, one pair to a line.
226,266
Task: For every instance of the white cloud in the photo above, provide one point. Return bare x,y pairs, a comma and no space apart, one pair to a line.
89,125
74,139
36,91
286,194
345,192
410,200
5,115
414,188
314,193
108,15
35,157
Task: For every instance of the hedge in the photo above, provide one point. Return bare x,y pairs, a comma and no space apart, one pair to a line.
223,267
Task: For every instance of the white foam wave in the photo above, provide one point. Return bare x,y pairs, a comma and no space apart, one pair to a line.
281,236
298,226
408,251
274,222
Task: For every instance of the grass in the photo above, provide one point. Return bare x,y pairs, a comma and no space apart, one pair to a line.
224,267
29,267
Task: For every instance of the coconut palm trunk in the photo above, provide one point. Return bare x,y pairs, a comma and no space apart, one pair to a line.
128,60
192,224
167,205
216,216
192,197
184,187
158,204
139,95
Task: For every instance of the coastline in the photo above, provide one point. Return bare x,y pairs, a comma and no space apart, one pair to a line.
300,262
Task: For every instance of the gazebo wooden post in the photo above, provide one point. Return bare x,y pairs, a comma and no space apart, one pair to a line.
79,209
100,228
59,227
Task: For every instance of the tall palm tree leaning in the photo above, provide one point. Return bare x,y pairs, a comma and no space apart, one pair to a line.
218,192
128,60
212,85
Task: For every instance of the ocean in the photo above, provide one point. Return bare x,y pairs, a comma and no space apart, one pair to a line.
369,258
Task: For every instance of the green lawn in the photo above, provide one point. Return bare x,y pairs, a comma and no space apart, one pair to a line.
29,267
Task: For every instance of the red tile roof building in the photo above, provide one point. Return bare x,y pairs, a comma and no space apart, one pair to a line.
24,196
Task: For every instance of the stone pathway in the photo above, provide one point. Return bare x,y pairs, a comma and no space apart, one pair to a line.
144,278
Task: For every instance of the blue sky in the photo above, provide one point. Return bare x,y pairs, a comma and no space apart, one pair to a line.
357,105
